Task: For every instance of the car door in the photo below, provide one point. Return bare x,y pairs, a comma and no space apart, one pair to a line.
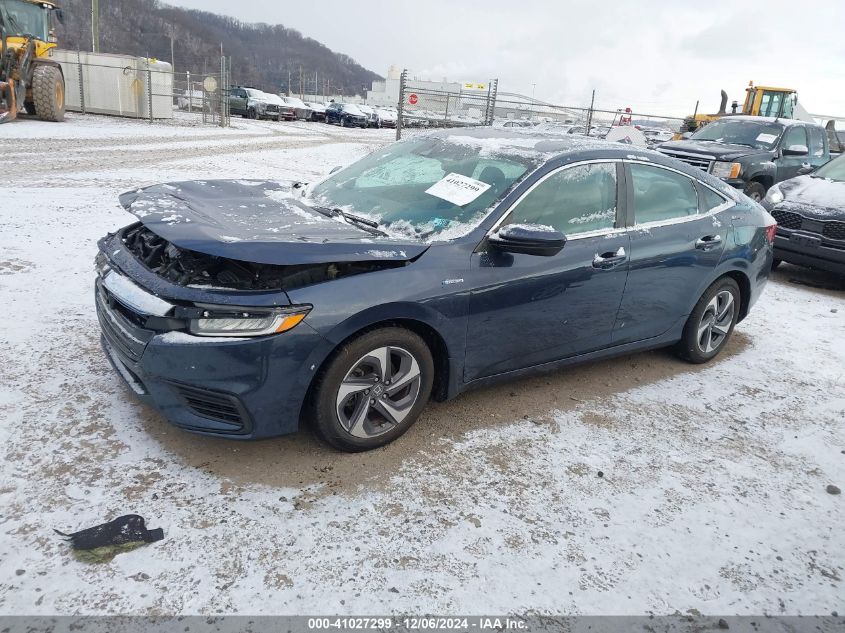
789,165
332,112
526,310
677,240
237,101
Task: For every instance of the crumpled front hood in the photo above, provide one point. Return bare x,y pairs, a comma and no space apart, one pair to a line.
256,221
721,151
814,197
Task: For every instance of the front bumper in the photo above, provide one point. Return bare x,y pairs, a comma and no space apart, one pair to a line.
809,249
246,388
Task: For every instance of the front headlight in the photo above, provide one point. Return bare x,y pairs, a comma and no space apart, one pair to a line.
246,322
722,169
774,195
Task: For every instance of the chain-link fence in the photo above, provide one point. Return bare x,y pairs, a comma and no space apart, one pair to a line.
142,88
429,105
424,106
648,128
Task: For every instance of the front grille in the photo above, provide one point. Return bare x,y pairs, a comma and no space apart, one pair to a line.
701,162
834,230
214,405
123,335
787,219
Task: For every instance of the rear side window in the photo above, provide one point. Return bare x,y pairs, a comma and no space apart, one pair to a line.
574,200
660,194
816,142
709,199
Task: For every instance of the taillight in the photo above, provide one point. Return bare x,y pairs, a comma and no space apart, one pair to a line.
770,232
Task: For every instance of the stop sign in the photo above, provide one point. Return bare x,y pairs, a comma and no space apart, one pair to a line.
412,98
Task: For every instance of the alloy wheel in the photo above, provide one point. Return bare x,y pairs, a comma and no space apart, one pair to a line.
379,392
716,321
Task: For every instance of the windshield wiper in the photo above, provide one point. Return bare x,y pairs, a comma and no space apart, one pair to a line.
363,223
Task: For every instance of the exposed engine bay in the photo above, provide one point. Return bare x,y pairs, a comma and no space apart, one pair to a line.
190,268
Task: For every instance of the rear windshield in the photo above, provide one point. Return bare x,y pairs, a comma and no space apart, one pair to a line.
756,134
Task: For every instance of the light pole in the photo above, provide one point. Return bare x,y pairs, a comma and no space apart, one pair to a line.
95,26
533,88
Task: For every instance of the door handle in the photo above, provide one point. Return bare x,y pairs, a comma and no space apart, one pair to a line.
609,260
707,242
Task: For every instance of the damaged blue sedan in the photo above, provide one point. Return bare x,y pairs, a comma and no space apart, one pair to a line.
440,263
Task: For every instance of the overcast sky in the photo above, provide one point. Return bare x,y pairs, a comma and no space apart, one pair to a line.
655,56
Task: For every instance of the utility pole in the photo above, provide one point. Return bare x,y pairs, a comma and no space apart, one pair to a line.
288,90
172,57
590,113
95,26
300,81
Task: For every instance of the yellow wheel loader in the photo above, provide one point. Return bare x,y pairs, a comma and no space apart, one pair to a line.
29,78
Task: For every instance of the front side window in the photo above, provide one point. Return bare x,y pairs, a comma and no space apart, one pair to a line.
24,18
660,194
573,200
796,135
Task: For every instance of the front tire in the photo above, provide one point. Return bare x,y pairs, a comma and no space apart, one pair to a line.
48,93
342,122
373,389
755,190
711,323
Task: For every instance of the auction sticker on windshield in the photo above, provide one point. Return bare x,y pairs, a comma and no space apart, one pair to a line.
767,138
458,189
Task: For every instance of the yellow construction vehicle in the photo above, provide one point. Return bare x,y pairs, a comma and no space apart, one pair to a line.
759,101
29,78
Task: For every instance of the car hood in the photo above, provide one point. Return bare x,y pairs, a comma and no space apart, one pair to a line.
814,197
257,221
720,151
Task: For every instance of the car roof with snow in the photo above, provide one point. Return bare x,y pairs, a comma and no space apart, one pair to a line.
552,149
764,119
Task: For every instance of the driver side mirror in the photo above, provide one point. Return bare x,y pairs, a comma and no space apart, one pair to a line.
528,239
806,169
686,135
60,16
796,150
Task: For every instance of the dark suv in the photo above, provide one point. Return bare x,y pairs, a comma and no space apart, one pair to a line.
752,153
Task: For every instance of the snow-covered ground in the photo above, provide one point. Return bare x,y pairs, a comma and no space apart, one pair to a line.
711,494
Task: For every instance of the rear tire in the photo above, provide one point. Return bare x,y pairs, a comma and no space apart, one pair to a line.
48,93
755,190
373,389
711,323
776,263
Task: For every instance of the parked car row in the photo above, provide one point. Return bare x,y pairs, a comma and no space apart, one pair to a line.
253,103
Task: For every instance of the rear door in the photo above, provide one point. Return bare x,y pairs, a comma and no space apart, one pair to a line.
526,310
677,239
237,101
